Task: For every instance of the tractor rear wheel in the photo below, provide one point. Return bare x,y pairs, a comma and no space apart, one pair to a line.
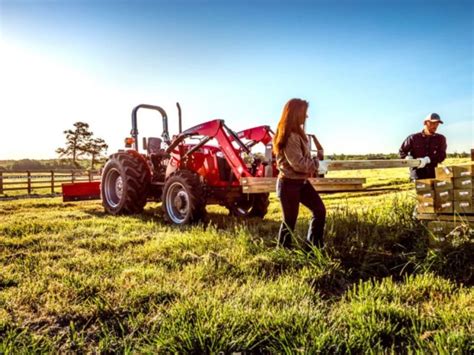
251,205
183,198
125,184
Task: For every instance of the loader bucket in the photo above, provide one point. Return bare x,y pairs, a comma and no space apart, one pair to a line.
81,191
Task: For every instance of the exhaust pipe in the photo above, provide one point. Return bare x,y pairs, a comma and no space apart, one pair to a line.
179,118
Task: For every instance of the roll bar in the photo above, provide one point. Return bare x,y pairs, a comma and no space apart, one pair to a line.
134,132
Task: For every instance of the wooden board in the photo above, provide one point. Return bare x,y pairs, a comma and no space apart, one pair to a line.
261,185
334,165
320,188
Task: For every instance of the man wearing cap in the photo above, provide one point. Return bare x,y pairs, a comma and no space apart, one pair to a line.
428,146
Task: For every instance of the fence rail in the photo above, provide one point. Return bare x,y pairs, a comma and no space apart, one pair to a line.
36,181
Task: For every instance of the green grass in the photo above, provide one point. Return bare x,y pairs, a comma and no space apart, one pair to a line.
74,279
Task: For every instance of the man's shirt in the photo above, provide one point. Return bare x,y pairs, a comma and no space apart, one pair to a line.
420,145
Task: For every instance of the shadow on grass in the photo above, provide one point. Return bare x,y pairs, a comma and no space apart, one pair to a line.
365,246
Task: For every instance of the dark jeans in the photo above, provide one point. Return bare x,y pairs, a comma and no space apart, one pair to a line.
291,193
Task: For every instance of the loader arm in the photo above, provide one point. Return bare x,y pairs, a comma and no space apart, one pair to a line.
255,135
217,130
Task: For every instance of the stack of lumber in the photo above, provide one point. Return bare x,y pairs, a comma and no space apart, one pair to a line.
449,193
460,176
446,202
259,185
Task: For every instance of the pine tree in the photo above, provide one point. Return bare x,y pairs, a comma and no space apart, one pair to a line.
76,142
94,147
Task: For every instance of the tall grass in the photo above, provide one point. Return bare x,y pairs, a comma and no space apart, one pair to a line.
76,280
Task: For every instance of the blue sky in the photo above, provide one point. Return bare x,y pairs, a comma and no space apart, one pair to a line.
371,70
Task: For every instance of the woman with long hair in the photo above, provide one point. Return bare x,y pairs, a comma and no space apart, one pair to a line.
295,166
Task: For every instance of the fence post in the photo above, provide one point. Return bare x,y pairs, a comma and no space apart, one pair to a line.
28,176
1,182
52,181
90,175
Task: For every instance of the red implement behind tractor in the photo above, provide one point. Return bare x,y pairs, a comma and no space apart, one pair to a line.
184,174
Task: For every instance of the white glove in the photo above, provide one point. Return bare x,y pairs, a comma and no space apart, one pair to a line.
423,162
323,167
408,157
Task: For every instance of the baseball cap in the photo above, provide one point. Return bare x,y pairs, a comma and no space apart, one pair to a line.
433,117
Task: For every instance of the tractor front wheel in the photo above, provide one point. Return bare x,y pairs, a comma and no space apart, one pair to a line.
251,205
125,184
183,198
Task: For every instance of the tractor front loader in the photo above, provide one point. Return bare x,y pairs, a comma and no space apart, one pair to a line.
182,173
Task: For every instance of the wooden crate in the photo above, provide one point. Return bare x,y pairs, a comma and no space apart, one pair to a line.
462,194
463,207
455,171
443,184
441,233
424,185
462,182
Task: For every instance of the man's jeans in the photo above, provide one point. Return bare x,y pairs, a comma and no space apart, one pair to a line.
291,192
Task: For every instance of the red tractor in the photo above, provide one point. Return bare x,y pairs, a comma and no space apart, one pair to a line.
185,174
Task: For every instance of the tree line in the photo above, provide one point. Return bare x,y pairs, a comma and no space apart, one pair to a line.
384,156
81,150
52,164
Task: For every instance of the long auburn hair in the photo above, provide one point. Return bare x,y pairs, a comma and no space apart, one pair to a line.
291,121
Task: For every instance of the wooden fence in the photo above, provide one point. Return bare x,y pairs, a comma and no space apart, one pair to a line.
42,181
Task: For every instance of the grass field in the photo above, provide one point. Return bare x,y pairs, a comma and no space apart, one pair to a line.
74,279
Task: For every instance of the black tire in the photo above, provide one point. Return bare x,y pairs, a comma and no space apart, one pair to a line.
183,198
251,205
125,184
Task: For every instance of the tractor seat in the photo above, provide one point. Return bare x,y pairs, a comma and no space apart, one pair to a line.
154,145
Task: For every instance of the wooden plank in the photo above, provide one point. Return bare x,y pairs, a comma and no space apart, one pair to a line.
14,188
337,181
36,187
62,171
317,181
34,181
339,188
262,185
334,165
43,176
327,188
